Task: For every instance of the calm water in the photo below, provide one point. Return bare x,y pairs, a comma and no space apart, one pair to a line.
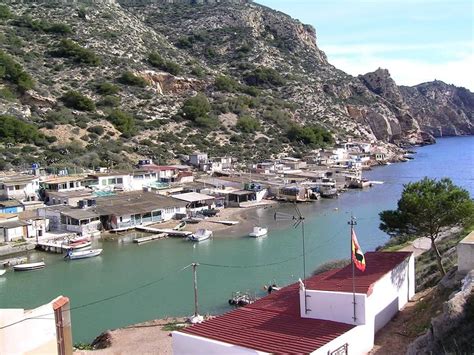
165,291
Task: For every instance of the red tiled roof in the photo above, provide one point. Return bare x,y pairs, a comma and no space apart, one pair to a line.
340,280
273,323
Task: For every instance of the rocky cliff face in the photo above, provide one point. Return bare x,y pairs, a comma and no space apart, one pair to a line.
139,61
434,108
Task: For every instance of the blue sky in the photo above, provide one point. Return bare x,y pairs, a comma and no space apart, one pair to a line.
416,40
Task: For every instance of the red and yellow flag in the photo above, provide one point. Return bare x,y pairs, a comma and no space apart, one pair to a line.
357,254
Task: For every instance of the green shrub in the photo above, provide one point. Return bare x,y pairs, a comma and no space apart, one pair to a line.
265,77
7,94
5,12
123,121
128,78
43,26
109,101
16,131
247,124
225,83
14,73
198,72
98,130
107,88
77,101
158,62
196,106
67,48
309,135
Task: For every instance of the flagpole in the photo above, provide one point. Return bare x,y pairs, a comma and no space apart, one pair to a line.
352,224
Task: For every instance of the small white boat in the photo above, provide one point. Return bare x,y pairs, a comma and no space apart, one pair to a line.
30,266
2,272
83,254
200,235
180,226
258,232
80,245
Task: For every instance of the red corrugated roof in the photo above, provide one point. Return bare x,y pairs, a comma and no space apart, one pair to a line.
273,323
340,280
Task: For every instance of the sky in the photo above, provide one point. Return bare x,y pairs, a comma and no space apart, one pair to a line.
416,40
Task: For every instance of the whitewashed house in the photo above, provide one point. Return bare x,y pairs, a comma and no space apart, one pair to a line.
22,188
82,221
197,159
315,317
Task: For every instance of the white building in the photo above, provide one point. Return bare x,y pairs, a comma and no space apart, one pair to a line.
465,251
22,188
43,330
85,222
313,318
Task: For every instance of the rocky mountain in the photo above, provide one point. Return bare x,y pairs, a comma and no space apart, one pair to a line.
104,82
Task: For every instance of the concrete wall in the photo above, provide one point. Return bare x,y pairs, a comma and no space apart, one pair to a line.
359,340
335,306
465,251
185,344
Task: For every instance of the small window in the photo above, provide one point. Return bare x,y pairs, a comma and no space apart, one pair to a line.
119,180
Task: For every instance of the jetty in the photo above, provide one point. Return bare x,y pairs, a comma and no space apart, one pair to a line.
52,247
150,238
227,223
170,232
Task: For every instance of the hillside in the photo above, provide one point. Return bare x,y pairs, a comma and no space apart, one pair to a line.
104,82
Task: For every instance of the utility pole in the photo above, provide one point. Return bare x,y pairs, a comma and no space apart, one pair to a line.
195,265
352,223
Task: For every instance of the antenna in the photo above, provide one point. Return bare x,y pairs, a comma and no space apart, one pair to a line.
297,221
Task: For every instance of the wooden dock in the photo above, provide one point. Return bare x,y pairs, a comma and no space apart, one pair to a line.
227,223
170,232
58,248
150,238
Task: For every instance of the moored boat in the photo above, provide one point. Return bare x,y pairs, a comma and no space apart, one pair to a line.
29,266
80,245
200,235
180,226
258,232
82,254
2,272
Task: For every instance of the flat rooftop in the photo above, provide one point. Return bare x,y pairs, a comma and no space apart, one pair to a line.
193,197
63,179
17,180
134,203
469,239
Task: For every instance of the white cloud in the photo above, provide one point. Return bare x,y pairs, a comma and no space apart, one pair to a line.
408,69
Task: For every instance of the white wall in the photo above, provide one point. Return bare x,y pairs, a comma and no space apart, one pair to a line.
30,334
465,251
335,306
185,344
360,340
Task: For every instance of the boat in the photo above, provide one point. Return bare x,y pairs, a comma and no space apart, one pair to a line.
180,226
82,254
30,266
200,235
80,245
210,213
79,239
258,232
2,272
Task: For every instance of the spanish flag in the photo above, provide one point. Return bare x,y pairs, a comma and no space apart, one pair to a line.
357,254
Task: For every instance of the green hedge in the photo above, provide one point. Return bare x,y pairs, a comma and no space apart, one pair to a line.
17,131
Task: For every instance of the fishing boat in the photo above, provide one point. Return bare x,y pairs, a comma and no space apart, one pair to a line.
180,226
83,254
80,245
258,232
200,235
29,267
2,272
79,239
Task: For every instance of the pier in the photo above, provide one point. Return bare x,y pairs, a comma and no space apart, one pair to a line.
170,232
150,238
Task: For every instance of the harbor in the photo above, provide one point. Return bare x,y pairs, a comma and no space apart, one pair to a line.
275,259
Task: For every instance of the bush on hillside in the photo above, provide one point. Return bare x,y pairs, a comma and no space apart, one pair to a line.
14,73
248,124
5,12
225,83
43,26
67,48
128,78
312,136
158,62
264,77
109,101
124,122
107,88
17,131
77,101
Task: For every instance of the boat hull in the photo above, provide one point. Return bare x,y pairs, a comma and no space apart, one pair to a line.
29,267
84,254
